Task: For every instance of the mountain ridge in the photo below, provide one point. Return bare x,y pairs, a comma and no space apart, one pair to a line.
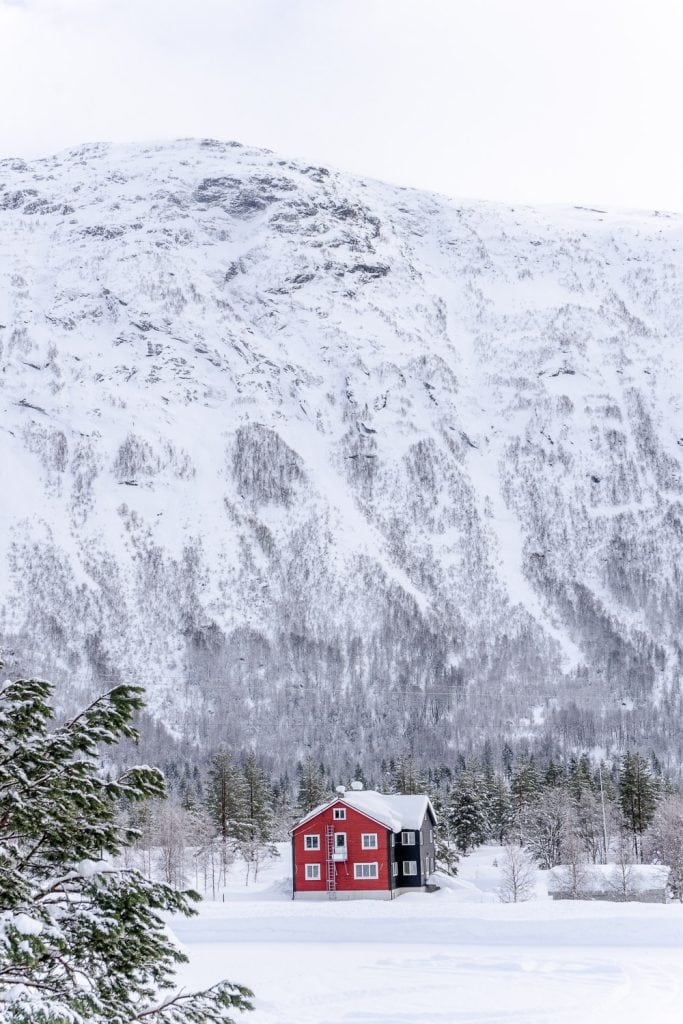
327,463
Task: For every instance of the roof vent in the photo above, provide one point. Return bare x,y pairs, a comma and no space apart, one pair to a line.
356,785
341,790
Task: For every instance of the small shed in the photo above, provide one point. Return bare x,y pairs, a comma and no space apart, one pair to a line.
620,883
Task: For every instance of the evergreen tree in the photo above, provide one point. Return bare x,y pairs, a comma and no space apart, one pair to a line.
580,777
525,787
507,757
554,775
227,799
444,839
258,816
467,808
312,787
407,778
255,843
80,940
501,818
637,796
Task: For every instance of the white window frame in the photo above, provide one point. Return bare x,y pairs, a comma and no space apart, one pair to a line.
339,814
360,875
368,841
312,841
405,841
431,835
410,868
312,872
395,871
337,837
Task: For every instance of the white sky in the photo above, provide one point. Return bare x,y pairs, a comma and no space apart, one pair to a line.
522,100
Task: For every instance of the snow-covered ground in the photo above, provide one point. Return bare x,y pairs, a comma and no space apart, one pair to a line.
458,955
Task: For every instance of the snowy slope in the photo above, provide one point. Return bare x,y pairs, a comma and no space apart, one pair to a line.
324,461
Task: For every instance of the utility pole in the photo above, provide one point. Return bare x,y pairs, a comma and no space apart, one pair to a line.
604,819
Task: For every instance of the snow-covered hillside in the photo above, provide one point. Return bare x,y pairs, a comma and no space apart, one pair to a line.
324,462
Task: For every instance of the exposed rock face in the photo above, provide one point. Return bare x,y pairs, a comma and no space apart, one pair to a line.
336,465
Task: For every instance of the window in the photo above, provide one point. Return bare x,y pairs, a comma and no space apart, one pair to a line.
340,840
410,867
368,840
407,839
431,835
392,840
339,814
365,871
312,842
395,870
312,872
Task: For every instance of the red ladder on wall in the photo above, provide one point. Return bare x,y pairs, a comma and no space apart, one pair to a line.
331,866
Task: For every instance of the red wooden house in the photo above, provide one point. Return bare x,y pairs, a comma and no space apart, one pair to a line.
364,844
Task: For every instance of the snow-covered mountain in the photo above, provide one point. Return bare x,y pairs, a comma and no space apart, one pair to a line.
335,465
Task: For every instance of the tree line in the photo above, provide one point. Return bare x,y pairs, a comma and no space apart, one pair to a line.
231,809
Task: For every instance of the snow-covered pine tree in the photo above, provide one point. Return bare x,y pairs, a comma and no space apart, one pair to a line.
638,795
467,808
80,940
227,801
525,787
407,777
256,842
446,853
312,787
501,818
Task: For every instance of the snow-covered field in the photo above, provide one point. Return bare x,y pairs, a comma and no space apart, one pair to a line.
458,955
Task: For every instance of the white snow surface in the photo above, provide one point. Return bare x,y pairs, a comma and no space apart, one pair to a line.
457,956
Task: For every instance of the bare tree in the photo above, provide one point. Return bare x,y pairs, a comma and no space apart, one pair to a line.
171,839
574,870
621,876
664,841
545,827
518,875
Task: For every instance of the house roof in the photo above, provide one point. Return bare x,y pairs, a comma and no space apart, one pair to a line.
393,810
606,878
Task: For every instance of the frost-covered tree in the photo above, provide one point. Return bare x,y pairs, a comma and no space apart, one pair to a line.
664,841
638,791
501,818
82,941
227,803
446,853
525,786
255,842
545,827
467,808
312,787
517,875
407,777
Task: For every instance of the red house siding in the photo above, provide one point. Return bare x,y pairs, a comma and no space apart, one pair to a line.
354,826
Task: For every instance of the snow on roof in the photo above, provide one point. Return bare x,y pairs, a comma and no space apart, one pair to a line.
393,810
315,812
602,878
